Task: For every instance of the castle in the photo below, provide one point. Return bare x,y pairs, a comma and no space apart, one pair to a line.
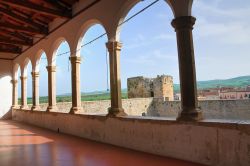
159,87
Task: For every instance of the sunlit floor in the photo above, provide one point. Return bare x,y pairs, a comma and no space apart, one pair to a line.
24,145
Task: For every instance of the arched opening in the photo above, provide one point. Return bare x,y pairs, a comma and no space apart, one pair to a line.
94,67
43,80
18,75
149,58
222,44
27,73
63,74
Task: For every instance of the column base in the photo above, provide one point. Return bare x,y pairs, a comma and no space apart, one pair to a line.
51,109
74,110
15,107
190,115
35,108
24,107
116,112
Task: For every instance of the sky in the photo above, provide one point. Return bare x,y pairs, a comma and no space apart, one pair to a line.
221,43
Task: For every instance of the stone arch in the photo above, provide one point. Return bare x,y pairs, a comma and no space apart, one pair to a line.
53,50
37,59
15,71
124,10
181,8
81,33
24,66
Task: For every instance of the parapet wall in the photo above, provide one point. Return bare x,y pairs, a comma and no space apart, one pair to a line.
210,143
212,109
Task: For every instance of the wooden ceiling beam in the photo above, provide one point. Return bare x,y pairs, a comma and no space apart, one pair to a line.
15,35
15,50
18,28
27,5
58,5
16,42
23,19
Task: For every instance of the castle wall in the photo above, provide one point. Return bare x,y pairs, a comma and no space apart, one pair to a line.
212,109
139,87
161,86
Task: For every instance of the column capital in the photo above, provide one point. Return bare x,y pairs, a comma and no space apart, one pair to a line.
14,82
113,45
23,77
51,68
75,59
183,22
35,74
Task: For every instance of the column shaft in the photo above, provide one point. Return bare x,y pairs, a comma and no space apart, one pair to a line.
51,88
14,93
75,84
35,91
183,27
114,49
23,92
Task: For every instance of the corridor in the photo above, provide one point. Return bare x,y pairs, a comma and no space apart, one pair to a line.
24,145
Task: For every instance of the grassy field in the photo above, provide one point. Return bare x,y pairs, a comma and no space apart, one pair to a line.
67,98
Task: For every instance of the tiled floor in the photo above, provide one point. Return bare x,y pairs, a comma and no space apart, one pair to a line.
24,145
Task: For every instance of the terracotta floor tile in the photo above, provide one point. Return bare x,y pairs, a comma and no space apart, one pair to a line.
24,145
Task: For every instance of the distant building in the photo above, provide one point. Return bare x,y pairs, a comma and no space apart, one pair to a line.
208,94
235,94
141,87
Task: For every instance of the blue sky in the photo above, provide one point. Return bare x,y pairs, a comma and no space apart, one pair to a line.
221,41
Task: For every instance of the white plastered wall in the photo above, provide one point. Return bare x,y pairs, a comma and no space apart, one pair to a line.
5,88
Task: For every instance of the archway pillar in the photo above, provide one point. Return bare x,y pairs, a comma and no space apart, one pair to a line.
51,88
114,49
75,84
35,91
24,92
14,93
183,26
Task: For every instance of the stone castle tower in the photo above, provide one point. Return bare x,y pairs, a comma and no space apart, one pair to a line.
159,87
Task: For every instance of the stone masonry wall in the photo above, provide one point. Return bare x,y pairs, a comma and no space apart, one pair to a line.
163,87
134,107
212,109
139,87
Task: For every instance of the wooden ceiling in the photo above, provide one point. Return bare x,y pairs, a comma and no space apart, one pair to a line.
23,20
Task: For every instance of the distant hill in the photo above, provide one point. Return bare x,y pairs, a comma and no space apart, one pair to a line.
240,82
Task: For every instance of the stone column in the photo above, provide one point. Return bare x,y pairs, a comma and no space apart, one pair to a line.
23,92
75,84
183,26
114,49
35,91
51,88
14,93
